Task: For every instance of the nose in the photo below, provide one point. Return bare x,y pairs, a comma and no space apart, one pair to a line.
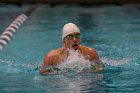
74,38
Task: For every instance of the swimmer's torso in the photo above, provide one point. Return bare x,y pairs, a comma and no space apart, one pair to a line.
60,55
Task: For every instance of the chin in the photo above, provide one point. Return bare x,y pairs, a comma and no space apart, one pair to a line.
75,48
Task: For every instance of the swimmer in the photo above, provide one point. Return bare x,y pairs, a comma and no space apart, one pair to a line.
71,40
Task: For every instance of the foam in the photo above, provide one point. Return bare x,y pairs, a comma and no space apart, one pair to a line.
75,62
117,62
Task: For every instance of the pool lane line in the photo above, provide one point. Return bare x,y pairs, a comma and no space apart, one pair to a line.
12,28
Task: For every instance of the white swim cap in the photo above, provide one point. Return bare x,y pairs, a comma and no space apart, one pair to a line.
68,29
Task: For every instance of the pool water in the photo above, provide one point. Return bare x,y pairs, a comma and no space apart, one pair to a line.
112,30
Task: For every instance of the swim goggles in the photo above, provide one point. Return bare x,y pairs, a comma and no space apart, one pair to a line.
71,36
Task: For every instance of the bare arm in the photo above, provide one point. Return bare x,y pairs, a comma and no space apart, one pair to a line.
49,62
99,67
44,65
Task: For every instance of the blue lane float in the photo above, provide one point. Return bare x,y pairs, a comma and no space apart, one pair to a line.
12,28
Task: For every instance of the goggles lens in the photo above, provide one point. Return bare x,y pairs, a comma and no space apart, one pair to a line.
77,35
71,36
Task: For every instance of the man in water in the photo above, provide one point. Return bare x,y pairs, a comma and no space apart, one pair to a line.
71,40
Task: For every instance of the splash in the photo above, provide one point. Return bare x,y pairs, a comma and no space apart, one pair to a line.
117,62
75,63
20,67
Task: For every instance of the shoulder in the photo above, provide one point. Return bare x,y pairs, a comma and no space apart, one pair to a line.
52,57
90,52
85,48
55,52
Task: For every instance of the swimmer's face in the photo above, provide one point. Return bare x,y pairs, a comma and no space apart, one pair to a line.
72,41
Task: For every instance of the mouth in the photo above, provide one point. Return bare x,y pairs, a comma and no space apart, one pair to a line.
75,46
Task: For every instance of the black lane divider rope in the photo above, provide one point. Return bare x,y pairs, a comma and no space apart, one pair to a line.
12,28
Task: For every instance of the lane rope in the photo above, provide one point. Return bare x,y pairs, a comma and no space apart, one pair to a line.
12,28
